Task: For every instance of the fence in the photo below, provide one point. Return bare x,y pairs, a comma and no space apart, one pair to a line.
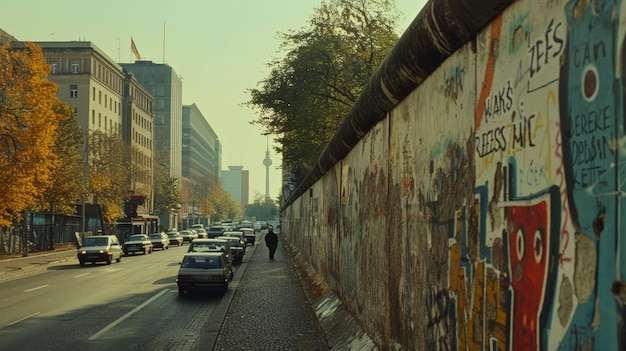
42,234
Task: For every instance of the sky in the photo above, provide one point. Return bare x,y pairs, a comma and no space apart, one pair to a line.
220,49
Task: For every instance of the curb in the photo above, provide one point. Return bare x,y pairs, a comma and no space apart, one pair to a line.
342,330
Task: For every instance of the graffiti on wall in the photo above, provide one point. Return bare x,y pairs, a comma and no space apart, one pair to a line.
552,142
504,217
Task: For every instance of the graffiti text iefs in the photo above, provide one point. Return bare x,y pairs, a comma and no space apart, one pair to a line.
499,103
550,46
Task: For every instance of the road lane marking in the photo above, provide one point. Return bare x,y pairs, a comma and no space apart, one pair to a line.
122,318
37,288
23,319
81,275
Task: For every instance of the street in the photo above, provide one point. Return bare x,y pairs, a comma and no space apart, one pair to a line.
124,305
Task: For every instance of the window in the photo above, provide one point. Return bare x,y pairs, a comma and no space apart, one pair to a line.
74,67
53,68
73,91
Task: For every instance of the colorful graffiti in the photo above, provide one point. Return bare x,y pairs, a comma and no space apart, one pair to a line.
507,236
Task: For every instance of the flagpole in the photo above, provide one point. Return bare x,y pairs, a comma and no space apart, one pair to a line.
163,41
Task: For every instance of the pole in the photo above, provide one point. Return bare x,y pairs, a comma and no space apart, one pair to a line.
52,238
25,235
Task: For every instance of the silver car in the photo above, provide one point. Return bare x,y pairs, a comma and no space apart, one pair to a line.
100,248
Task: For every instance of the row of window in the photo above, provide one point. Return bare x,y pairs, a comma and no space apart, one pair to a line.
108,125
74,67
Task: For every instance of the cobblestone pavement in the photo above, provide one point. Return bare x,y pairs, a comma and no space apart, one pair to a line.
269,310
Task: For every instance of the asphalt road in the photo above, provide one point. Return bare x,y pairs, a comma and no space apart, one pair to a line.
127,305
49,302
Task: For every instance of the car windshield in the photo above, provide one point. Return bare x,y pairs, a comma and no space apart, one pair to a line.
95,242
172,235
207,247
235,242
136,238
155,236
201,262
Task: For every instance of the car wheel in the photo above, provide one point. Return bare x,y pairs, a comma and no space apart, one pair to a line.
82,263
109,259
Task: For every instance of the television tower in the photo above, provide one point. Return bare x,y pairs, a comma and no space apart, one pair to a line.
267,162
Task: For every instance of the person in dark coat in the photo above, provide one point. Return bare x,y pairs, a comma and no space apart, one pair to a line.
271,241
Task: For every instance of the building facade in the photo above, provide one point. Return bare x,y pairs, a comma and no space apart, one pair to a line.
165,85
137,131
200,145
167,89
200,162
108,99
235,181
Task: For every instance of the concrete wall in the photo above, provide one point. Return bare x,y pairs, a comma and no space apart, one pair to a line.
483,210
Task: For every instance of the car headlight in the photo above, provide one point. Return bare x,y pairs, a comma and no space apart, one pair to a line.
83,252
103,251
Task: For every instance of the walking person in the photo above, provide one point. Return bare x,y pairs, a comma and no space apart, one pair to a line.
271,241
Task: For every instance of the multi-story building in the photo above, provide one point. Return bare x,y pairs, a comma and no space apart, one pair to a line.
162,82
167,89
137,129
235,181
109,99
201,147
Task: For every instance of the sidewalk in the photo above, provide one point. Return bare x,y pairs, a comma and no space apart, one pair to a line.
15,267
268,310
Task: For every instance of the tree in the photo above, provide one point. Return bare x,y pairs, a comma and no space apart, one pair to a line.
261,209
309,92
109,173
167,195
29,118
68,182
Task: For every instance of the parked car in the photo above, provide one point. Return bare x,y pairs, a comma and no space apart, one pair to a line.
214,245
244,224
249,234
175,238
240,235
203,270
235,247
100,248
215,231
138,243
202,234
159,241
257,226
188,235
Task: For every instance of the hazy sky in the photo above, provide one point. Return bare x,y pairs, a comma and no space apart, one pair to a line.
219,48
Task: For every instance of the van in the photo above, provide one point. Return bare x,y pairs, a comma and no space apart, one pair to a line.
100,248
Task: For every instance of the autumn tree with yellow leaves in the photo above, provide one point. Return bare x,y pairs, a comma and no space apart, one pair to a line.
109,173
30,113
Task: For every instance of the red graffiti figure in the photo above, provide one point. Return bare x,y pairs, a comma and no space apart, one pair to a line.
528,256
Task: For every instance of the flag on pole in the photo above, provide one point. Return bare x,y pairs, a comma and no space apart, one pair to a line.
134,49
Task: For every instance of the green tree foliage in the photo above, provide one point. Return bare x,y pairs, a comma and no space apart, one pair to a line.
167,195
109,173
261,209
29,118
309,92
68,183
